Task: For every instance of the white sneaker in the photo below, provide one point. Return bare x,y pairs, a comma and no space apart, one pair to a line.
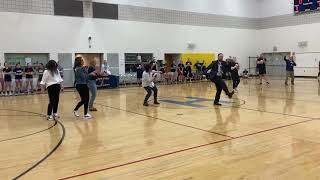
76,114
56,116
235,90
87,116
50,118
6,94
10,94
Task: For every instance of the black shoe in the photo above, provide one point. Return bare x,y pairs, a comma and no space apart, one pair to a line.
217,104
286,84
231,94
145,104
156,102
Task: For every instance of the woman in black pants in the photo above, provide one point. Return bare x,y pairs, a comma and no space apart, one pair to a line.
52,81
81,83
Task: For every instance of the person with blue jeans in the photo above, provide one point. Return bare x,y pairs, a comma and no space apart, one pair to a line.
93,75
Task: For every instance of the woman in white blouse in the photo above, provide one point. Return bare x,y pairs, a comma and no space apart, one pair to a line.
52,81
148,84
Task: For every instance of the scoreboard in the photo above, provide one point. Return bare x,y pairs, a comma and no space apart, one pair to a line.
301,6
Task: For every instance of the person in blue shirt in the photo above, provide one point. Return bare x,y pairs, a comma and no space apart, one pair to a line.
290,63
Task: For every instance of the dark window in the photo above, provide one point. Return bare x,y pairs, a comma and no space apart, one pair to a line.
106,11
68,8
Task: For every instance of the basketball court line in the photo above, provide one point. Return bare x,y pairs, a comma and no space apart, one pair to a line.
182,150
31,134
132,112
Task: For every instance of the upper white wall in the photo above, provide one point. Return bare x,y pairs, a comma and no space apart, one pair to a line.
270,8
30,33
239,8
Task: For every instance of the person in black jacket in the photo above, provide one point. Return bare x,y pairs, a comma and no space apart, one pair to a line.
218,71
261,66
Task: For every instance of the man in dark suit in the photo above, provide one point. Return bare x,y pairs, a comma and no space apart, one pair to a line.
218,71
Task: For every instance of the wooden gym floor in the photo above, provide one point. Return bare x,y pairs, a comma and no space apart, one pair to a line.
264,133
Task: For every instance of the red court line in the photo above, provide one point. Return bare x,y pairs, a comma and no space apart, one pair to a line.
275,128
192,127
183,150
142,160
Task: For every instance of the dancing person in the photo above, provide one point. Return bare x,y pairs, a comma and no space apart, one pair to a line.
235,74
18,78
1,82
7,71
261,66
217,72
290,63
29,78
40,71
52,80
81,83
92,83
148,84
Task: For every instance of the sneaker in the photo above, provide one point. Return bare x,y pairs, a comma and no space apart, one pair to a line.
6,93
93,109
231,94
145,104
10,94
286,84
87,116
76,114
50,118
268,83
235,90
157,103
56,116
217,104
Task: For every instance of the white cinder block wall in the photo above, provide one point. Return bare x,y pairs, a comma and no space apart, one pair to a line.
35,33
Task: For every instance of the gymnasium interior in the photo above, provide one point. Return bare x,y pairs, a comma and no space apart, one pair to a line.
267,129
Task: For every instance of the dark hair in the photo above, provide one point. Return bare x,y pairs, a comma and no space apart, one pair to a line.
147,67
78,62
52,67
17,64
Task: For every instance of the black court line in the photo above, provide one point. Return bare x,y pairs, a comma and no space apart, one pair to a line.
46,156
51,152
132,112
34,133
31,134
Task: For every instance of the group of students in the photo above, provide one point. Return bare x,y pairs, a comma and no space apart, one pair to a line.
85,84
18,72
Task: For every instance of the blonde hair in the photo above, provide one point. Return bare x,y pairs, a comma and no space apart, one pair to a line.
93,62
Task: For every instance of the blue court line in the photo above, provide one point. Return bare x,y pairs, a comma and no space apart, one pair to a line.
186,103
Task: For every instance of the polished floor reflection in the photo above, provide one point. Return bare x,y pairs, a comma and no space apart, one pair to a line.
264,132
